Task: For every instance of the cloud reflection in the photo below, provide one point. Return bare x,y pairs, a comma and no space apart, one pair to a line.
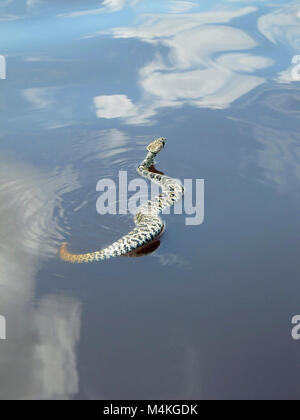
201,69
114,106
38,359
274,125
279,158
44,101
39,98
58,325
107,6
282,26
177,6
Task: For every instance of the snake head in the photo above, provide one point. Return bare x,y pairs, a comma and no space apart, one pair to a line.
156,145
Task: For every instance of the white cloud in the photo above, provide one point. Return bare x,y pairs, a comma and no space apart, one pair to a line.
154,28
7,18
179,6
286,76
279,158
243,62
38,359
48,59
32,3
114,4
40,98
114,106
282,26
58,324
44,100
201,68
108,6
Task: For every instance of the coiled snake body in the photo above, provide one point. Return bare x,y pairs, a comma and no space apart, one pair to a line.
148,223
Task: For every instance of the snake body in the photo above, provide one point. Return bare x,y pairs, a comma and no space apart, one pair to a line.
148,223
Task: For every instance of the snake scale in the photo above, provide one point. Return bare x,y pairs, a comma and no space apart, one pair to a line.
148,223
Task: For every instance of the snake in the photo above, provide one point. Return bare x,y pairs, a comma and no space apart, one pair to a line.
148,225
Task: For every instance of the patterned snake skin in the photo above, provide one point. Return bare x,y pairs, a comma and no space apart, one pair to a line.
148,224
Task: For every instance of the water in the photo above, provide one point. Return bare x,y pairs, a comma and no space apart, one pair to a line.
208,314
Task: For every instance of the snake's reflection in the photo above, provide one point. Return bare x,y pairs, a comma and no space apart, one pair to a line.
144,250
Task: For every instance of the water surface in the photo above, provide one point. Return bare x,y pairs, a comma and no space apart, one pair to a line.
208,314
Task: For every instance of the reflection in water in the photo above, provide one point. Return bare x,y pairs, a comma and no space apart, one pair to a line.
38,358
191,372
173,260
147,58
282,26
279,157
58,324
284,101
36,200
39,98
201,68
43,101
144,250
111,145
107,6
